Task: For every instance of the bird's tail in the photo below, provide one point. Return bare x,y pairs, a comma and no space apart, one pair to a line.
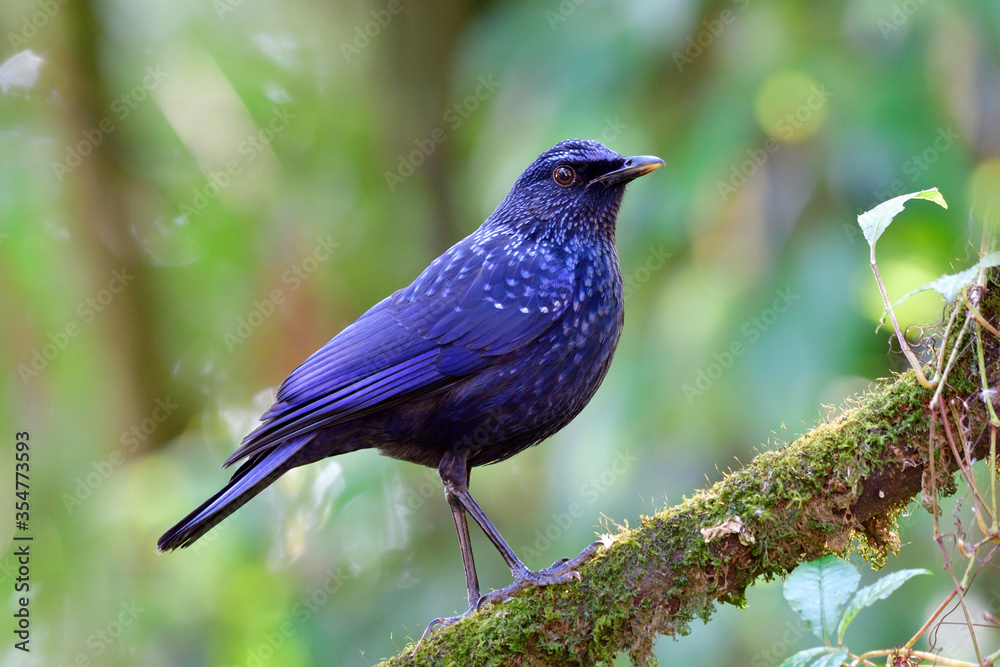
249,479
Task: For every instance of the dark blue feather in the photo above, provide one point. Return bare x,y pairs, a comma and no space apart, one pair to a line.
477,301
499,343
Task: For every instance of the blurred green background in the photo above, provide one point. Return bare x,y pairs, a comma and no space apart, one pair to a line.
196,196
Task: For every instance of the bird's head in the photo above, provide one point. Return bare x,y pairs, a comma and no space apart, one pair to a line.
577,185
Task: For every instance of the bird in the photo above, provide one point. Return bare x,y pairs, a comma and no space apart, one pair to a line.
498,344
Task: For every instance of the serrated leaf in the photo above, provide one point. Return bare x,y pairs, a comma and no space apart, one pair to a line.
831,659
818,590
868,595
950,285
878,219
804,657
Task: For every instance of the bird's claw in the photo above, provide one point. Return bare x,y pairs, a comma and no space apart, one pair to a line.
529,579
562,571
564,564
443,623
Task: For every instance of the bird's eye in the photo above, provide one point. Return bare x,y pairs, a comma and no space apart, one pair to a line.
563,175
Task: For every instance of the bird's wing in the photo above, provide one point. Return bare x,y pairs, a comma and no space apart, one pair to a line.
474,303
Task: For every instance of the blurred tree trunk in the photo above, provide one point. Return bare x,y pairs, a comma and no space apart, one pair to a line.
420,72
97,191
846,479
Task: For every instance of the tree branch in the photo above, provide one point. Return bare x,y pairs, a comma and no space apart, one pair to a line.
845,480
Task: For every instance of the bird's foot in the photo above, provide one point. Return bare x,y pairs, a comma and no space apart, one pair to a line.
442,623
562,571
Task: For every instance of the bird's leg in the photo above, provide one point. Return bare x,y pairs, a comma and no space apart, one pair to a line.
452,466
462,526
471,581
455,466
454,474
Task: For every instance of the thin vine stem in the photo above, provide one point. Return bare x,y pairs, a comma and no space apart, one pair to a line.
903,345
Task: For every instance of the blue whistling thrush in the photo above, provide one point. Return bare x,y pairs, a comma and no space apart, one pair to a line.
498,344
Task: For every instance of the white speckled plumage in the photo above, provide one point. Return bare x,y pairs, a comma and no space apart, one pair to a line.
509,332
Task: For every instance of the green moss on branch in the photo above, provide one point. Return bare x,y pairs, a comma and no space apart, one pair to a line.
846,479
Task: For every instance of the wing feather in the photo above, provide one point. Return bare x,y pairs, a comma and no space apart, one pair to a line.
472,305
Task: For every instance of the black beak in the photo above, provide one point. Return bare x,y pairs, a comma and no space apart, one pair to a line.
634,167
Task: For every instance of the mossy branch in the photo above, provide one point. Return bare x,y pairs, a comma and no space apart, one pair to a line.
847,479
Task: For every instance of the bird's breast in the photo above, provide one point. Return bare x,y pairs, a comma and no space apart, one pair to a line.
555,377
532,391
585,340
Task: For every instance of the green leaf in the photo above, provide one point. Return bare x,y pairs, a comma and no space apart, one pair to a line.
817,591
832,659
805,656
951,285
877,220
868,595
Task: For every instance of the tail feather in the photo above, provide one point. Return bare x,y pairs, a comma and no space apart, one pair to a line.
250,479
